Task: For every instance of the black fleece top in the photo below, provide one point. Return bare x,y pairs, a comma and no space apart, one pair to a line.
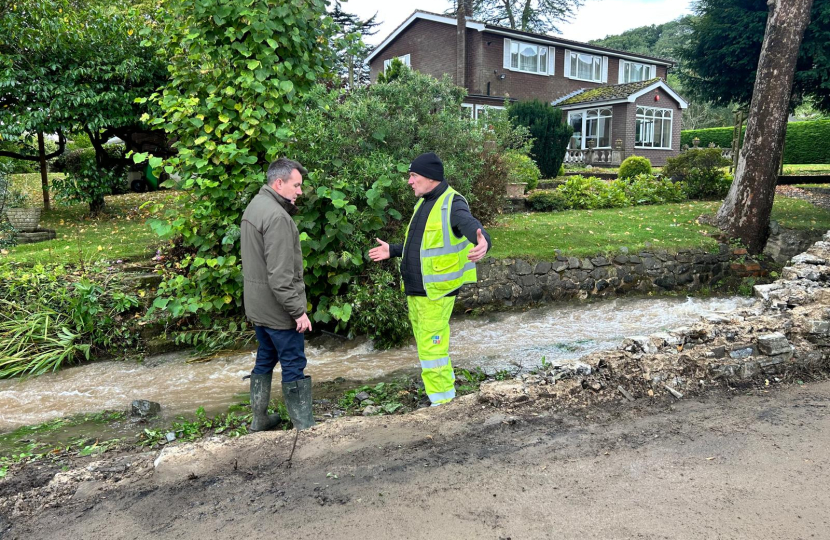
462,223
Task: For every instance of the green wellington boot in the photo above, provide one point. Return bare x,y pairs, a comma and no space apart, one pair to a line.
297,396
260,397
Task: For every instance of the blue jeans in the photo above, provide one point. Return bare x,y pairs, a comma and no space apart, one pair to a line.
284,346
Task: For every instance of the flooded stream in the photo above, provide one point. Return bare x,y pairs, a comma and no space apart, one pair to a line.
497,341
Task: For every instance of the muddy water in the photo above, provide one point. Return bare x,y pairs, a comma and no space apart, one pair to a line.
503,340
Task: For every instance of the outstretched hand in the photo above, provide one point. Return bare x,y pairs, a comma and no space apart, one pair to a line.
381,252
478,252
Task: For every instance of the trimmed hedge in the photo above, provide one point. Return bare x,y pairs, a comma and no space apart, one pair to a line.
805,142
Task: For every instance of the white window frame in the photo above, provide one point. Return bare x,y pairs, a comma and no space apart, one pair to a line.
550,56
603,66
471,108
628,64
478,109
405,58
650,129
585,118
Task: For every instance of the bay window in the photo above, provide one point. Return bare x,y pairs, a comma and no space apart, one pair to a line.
590,125
653,128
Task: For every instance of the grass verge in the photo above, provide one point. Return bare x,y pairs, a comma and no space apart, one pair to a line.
673,227
120,233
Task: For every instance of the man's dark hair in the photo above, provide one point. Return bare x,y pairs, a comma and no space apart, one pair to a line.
281,169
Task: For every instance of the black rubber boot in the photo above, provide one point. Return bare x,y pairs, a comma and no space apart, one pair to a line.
297,396
260,397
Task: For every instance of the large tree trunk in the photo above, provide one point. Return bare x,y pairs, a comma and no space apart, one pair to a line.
44,177
746,210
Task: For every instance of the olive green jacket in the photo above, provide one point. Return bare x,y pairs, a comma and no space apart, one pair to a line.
272,262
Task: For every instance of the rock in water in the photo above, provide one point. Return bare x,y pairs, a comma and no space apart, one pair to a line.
144,408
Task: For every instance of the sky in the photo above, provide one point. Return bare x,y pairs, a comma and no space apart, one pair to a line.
595,20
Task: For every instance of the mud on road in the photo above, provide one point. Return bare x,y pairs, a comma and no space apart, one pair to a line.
748,463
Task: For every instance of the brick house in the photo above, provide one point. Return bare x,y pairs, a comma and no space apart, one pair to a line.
618,102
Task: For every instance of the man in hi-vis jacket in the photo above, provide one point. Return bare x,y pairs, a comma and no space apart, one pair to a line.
442,244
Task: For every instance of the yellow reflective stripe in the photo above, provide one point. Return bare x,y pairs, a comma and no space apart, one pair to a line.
431,364
442,396
440,278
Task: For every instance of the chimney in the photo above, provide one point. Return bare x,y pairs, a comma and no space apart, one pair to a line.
461,44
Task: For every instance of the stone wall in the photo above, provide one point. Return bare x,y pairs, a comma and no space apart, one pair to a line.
511,282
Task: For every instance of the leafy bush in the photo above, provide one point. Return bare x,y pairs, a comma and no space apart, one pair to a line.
700,171
520,168
550,133
86,182
580,193
634,165
547,200
648,189
357,189
592,193
377,304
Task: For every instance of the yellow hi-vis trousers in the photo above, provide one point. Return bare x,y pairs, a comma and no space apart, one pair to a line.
431,326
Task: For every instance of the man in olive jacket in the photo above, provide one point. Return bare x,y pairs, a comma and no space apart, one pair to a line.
274,295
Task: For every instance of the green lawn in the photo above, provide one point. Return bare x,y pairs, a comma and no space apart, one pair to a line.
671,227
120,233
796,169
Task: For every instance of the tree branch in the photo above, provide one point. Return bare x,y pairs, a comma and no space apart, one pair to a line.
24,157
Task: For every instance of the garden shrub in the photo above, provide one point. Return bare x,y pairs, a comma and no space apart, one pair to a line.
580,193
520,168
86,182
547,200
701,172
357,188
591,193
377,304
634,165
648,189
549,131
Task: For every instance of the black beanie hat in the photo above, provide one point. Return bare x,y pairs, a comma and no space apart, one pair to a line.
429,166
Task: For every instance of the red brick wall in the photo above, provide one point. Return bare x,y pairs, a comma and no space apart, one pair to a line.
431,47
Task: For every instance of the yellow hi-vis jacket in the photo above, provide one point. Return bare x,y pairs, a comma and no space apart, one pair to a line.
444,263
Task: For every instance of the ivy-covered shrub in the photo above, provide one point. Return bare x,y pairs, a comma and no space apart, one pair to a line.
649,189
592,193
634,165
701,171
357,188
521,169
86,182
547,200
550,133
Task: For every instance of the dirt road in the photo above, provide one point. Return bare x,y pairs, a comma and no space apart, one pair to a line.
749,464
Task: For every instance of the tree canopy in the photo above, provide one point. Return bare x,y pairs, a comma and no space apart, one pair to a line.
721,58
68,65
541,16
